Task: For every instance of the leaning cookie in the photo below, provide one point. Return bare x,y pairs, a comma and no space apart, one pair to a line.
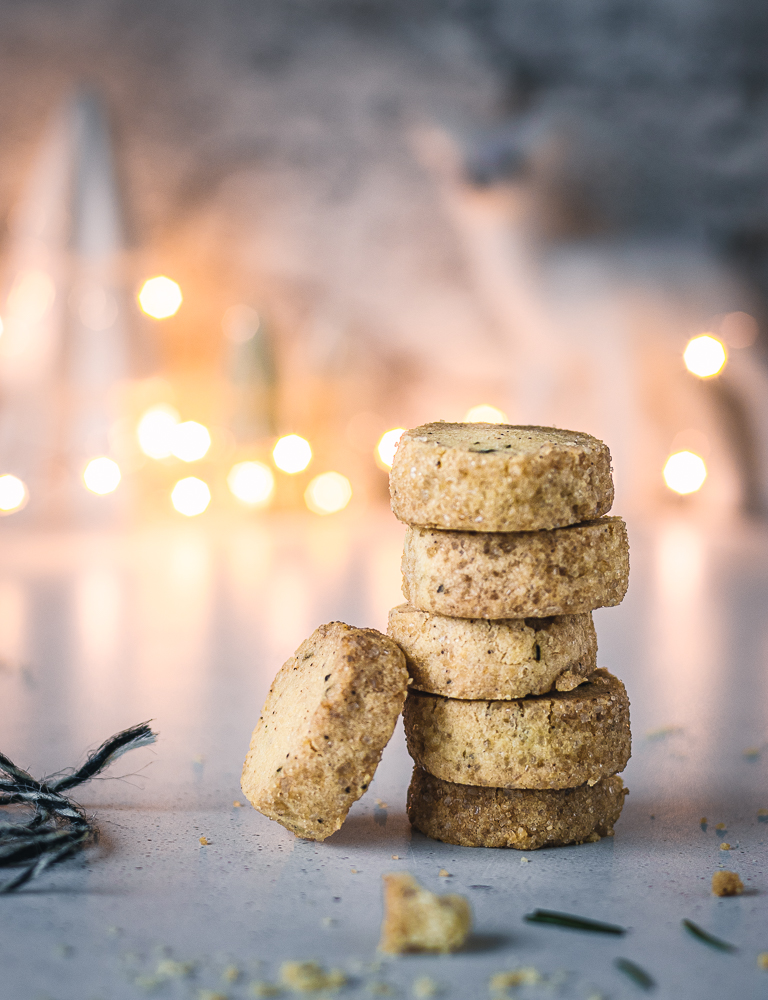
495,477
328,716
481,658
526,819
545,741
517,574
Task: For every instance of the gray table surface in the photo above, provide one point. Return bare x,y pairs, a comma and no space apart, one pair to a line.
187,624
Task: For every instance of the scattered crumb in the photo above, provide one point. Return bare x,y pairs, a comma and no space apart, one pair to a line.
416,919
425,986
262,989
444,873
721,826
237,804
114,930
149,983
525,861
380,989
64,950
309,977
762,814
170,969
762,960
752,753
725,883
381,805
354,871
204,842
211,995
662,731
395,857
328,922
231,974
526,975
725,846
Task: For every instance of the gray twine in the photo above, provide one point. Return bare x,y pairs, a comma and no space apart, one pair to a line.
58,827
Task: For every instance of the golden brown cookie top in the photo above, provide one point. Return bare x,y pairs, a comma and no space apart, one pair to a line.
498,477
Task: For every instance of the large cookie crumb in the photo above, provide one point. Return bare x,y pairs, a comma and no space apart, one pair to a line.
726,883
416,919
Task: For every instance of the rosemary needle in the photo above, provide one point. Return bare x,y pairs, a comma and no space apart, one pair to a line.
701,935
638,976
572,922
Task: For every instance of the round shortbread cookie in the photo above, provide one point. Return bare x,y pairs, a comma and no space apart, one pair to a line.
480,658
526,819
329,714
495,477
544,741
518,574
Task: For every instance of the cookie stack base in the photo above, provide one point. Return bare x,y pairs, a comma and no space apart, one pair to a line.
526,819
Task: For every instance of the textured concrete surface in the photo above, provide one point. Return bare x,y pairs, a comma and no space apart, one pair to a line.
187,626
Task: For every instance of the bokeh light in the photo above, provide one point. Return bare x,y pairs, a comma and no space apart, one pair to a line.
13,494
485,414
292,454
190,441
252,483
160,297
328,493
156,430
31,296
102,475
190,496
387,446
704,356
685,472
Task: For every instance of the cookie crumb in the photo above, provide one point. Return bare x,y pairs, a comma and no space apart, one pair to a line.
259,988
725,883
380,989
381,805
725,846
721,826
425,986
231,974
204,842
762,960
237,804
328,922
526,975
444,873
525,861
309,977
171,969
416,919
395,857
752,753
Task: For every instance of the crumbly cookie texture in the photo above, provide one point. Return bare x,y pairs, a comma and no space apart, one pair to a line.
416,919
517,574
726,883
544,741
480,658
494,477
329,714
526,819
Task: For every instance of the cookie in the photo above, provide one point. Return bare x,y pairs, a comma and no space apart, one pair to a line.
545,741
508,658
416,919
517,574
328,716
526,819
494,477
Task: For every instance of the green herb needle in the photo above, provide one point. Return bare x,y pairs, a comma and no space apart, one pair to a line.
572,922
701,935
638,976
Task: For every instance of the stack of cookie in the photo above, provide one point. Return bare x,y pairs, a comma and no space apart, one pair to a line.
516,735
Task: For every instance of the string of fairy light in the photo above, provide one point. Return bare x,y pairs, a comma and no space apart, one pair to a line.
163,435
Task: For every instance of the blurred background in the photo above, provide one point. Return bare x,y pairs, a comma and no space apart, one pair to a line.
312,223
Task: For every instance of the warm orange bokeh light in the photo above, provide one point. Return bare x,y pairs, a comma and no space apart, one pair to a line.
705,356
160,297
328,493
252,483
485,414
102,476
190,496
685,472
13,494
292,454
